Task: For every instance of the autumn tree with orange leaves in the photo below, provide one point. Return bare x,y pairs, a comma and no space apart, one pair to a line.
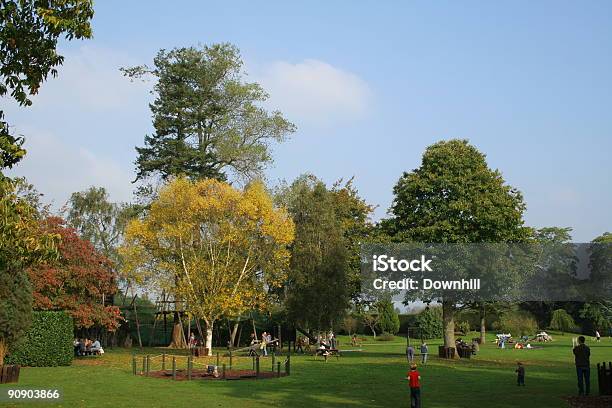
215,247
79,281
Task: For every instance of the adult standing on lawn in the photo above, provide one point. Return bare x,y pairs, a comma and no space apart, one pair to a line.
410,354
424,352
582,354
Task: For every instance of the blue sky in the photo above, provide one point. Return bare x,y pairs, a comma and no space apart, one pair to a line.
369,84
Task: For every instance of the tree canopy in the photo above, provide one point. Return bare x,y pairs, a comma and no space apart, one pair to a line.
453,197
29,32
208,121
79,281
218,248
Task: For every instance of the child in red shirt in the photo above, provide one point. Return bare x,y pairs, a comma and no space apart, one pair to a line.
414,382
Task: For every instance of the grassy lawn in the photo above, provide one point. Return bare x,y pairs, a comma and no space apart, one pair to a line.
369,378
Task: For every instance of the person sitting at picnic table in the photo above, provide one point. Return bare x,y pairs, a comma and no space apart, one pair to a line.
77,346
96,347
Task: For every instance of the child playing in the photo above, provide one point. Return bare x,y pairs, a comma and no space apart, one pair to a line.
520,371
414,379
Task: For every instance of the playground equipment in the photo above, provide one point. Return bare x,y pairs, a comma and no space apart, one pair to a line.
227,367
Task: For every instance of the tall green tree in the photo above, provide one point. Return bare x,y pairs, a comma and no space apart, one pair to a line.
454,197
317,292
29,32
208,120
389,320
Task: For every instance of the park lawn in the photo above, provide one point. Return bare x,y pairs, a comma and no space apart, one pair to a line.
373,377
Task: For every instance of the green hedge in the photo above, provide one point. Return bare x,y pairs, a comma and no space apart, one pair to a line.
47,343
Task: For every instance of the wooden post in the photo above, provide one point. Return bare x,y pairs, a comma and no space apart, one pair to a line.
288,365
253,361
148,364
273,358
277,369
217,359
164,362
230,362
257,366
144,364
189,365
223,373
134,364
173,367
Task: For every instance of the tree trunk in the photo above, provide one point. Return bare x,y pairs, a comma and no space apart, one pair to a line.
178,337
3,350
483,327
448,318
209,337
233,333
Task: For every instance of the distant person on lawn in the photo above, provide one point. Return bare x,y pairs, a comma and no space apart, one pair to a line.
582,355
410,354
424,352
414,382
597,336
520,374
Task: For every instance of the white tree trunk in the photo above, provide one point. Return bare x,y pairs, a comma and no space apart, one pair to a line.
209,337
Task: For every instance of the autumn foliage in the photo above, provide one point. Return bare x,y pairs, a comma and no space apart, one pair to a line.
78,282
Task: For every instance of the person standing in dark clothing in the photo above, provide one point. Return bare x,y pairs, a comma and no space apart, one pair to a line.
582,355
520,374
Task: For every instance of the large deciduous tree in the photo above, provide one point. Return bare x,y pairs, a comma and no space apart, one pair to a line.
317,291
78,282
29,32
103,223
218,248
208,121
454,197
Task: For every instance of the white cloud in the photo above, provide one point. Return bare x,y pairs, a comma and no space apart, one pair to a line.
89,79
58,169
315,92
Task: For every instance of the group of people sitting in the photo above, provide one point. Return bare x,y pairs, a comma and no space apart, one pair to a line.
502,340
86,347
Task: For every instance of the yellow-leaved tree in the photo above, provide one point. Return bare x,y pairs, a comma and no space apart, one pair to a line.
218,248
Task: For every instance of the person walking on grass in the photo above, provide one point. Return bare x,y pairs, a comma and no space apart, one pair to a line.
520,374
410,354
582,355
597,336
414,382
424,352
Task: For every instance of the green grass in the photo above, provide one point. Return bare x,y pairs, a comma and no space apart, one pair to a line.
373,377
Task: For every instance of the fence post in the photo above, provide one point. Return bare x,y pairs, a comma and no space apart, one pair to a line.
278,369
173,367
223,374
144,365
273,359
148,365
230,363
134,363
189,364
253,361
164,362
257,366
288,365
217,359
